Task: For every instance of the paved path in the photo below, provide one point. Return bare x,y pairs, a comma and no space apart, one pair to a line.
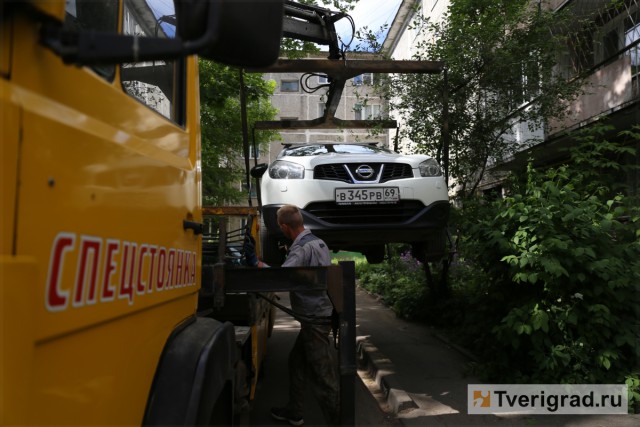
272,389
424,378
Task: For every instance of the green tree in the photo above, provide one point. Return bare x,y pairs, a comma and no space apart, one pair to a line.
560,301
223,165
500,58
296,49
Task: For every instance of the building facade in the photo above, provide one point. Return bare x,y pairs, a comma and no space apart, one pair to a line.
303,96
604,44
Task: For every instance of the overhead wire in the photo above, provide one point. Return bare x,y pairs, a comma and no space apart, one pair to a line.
306,87
345,46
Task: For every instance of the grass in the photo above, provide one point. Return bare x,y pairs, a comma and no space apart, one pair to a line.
348,256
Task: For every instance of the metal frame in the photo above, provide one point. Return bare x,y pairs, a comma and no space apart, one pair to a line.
339,71
338,281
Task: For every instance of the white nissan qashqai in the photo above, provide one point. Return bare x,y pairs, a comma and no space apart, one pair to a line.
356,197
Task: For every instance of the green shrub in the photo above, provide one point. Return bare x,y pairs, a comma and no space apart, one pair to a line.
399,282
562,259
546,285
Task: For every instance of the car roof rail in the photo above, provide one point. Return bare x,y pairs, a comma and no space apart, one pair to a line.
289,144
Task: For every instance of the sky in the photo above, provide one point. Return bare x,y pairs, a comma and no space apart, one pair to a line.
369,13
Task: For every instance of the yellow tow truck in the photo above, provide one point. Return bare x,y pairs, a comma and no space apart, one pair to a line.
113,311
101,240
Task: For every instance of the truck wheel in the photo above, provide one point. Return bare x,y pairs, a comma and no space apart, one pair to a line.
194,381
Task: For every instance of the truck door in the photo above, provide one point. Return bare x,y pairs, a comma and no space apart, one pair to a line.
101,173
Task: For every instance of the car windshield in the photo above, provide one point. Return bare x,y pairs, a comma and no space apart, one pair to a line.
317,149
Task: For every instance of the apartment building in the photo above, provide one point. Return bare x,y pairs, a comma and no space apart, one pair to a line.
303,96
604,44
299,96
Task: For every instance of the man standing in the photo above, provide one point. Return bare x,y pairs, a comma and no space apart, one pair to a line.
312,357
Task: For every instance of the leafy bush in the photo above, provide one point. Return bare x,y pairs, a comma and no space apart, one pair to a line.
562,255
546,288
399,282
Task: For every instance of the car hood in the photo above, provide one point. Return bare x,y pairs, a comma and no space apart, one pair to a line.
310,162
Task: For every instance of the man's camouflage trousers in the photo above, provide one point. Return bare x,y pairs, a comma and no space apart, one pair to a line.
313,360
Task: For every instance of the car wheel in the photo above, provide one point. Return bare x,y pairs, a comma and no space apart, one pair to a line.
432,250
374,254
271,252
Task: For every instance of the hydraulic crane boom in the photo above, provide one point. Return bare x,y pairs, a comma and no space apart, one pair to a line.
316,24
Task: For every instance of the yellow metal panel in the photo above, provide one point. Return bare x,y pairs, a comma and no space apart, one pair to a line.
116,198
5,48
105,184
102,375
17,302
259,336
10,128
53,8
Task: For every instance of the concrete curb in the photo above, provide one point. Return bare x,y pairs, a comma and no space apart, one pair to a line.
382,371
463,351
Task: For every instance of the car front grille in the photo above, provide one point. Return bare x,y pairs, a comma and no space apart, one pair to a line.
346,172
365,214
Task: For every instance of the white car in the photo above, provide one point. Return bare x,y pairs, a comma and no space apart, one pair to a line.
356,197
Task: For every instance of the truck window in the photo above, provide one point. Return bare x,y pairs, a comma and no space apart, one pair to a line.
154,83
93,15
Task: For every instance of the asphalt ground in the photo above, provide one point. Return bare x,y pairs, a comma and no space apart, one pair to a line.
272,388
424,378
410,375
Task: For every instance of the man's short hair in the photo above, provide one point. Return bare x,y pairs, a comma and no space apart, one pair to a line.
290,215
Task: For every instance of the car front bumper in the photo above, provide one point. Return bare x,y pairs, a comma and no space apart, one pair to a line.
345,227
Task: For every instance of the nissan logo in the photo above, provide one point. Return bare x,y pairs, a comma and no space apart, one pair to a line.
364,171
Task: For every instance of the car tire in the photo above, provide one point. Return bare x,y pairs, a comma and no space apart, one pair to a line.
271,252
432,250
374,254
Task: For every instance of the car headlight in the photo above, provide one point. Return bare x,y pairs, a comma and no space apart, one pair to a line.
429,168
286,170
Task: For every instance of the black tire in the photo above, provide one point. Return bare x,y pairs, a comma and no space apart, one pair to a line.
271,252
432,250
374,254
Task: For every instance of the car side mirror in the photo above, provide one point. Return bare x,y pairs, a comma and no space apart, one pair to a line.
258,170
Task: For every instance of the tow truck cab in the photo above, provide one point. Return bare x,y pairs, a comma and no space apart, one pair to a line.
100,251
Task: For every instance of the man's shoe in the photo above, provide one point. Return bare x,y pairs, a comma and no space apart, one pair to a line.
282,414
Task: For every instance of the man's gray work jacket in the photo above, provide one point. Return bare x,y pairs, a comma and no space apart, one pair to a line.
308,250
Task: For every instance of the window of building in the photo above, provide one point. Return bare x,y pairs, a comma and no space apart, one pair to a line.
363,79
582,50
610,44
631,36
251,187
290,86
366,112
251,152
525,85
156,84
322,79
417,22
254,154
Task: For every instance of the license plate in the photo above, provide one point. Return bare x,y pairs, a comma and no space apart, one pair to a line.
367,196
